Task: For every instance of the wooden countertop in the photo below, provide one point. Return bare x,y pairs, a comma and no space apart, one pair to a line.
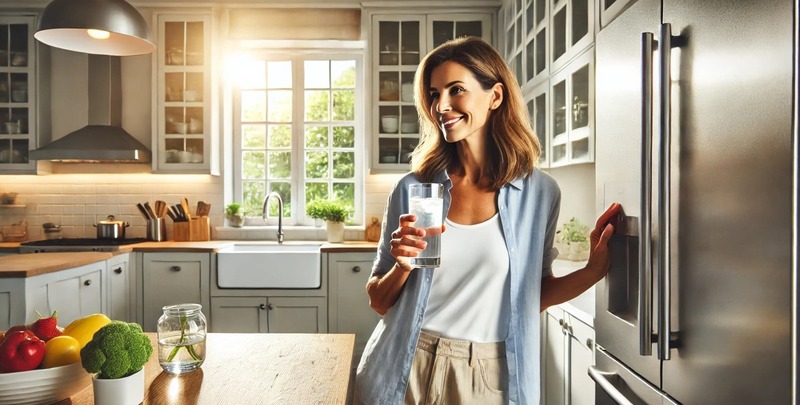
34,264
253,368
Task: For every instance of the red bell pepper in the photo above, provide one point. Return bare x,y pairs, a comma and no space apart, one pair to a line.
21,351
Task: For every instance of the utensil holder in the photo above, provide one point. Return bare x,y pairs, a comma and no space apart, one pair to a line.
198,229
157,229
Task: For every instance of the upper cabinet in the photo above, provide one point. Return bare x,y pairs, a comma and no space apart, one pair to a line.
549,47
184,139
17,94
398,44
610,9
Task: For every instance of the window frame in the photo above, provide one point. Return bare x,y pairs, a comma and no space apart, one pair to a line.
297,181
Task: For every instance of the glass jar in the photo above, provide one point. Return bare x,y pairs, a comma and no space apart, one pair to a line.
181,338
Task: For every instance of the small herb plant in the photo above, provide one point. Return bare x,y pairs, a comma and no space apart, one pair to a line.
233,209
327,210
574,232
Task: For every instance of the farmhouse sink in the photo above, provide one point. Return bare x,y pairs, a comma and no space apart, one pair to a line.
269,265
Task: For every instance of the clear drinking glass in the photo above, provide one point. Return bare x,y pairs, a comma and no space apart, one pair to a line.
425,201
181,338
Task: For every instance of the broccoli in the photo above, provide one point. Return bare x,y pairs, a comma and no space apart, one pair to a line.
117,350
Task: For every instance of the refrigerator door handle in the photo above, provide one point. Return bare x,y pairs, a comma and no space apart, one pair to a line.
645,299
603,380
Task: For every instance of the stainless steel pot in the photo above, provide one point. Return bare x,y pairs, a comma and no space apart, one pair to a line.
111,229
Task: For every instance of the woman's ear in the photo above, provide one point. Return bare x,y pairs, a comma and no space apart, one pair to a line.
497,96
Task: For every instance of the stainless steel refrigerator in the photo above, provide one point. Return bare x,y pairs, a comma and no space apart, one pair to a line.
696,137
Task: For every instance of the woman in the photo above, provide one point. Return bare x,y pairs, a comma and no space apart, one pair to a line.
468,331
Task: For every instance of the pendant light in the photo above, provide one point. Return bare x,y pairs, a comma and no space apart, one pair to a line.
102,27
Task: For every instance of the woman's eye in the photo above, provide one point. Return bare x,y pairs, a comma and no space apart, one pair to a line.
456,90
434,96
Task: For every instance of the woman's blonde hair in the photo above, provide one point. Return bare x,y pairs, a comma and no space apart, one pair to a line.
513,149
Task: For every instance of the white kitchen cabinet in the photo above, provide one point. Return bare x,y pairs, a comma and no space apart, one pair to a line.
571,139
173,278
119,288
18,93
348,303
74,293
269,314
399,40
185,140
567,354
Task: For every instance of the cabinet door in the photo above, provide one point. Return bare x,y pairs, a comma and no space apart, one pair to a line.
173,278
572,30
183,66
348,301
239,314
554,359
297,315
17,94
76,295
610,9
581,355
572,112
119,288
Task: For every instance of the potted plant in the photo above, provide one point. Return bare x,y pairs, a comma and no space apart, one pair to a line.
333,212
234,214
116,355
575,235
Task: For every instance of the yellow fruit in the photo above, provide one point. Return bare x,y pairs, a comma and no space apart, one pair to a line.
60,351
84,328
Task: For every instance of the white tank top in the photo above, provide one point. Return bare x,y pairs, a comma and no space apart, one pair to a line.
469,298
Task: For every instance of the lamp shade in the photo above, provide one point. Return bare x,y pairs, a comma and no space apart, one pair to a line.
116,27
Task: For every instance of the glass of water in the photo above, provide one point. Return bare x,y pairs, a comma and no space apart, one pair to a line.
425,201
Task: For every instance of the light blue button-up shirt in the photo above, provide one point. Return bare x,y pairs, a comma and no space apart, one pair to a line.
528,213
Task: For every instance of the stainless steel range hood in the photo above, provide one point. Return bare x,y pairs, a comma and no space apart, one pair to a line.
103,140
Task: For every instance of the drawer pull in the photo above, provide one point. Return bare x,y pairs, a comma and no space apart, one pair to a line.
269,306
118,270
357,269
175,268
262,307
87,282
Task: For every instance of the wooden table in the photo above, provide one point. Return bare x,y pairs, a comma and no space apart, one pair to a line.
254,368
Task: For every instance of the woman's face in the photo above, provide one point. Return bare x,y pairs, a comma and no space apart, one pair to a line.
460,104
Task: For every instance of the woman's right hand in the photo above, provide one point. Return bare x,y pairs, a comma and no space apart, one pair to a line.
407,241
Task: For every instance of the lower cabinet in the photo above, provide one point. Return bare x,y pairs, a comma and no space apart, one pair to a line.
173,278
567,354
348,303
269,314
119,288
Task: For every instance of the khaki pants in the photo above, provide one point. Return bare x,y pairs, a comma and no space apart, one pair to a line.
452,372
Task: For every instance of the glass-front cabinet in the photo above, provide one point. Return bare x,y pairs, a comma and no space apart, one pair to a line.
399,42
17,94
610,9
572,112
572,30
183,124
537,103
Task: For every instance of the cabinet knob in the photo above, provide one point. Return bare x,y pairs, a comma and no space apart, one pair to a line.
262,307
175,268
589,343
118,270
269,306
87,282
356,269
561,323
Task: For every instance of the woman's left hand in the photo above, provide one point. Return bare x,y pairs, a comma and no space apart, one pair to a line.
599,258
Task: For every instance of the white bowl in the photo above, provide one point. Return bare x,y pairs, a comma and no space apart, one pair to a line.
408,127
389,123
180,127
43,386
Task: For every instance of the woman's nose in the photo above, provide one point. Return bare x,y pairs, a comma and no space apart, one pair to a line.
442,105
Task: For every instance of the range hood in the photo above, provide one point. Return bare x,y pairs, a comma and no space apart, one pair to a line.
103,139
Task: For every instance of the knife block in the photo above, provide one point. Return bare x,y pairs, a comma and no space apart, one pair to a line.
196,230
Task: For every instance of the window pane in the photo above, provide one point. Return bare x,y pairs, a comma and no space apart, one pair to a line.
279,74
344,105
254,136
343,73
253,197
254,165
316,191
316,136
346,193
344,137
280,105
316,74
285,191
280,165
254,107
344,165
280,136
316,165
254,72
316,107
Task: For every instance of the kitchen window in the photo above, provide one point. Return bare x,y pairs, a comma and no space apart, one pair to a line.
298,132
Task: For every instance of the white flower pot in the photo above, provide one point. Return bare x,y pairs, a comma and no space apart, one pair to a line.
236,221
119,391
335,231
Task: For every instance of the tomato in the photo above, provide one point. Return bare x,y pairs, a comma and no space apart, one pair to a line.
60,351
83,329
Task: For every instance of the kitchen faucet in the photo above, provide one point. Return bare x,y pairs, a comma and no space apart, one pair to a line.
280,213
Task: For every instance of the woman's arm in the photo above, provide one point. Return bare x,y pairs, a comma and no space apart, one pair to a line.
556,290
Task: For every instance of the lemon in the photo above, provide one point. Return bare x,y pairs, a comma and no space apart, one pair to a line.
83,329
60,351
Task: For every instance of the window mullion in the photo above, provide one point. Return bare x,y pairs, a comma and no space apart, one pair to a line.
298,150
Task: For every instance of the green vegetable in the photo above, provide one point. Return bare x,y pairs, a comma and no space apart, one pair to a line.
117,350
327,210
